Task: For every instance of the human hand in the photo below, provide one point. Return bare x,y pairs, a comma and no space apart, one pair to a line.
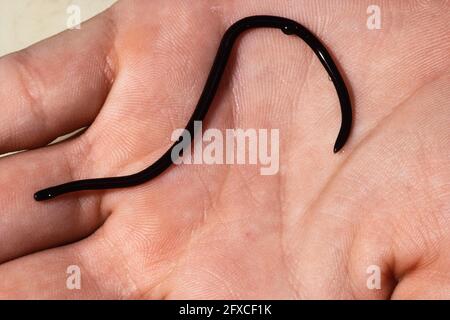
134,74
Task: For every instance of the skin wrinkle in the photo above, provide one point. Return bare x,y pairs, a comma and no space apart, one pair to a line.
339,258
292,111
69,170
430,238
209,197
233,295
358,145
282,192
178,259
149,292
425,190
282,196
246,184
33,95
235,93
111,58
356,291
224,183
98,196
209,202
86,271
134,287
84,147
400,274
292,279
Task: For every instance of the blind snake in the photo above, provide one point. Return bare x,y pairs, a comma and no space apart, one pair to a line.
288,27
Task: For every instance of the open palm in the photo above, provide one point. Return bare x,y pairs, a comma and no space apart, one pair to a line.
314,230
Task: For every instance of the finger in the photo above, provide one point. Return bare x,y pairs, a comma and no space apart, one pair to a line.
55,86
84,270
27,226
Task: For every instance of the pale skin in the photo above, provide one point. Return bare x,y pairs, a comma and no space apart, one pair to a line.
134,74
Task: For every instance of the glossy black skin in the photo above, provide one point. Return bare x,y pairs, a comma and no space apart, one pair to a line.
287,26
